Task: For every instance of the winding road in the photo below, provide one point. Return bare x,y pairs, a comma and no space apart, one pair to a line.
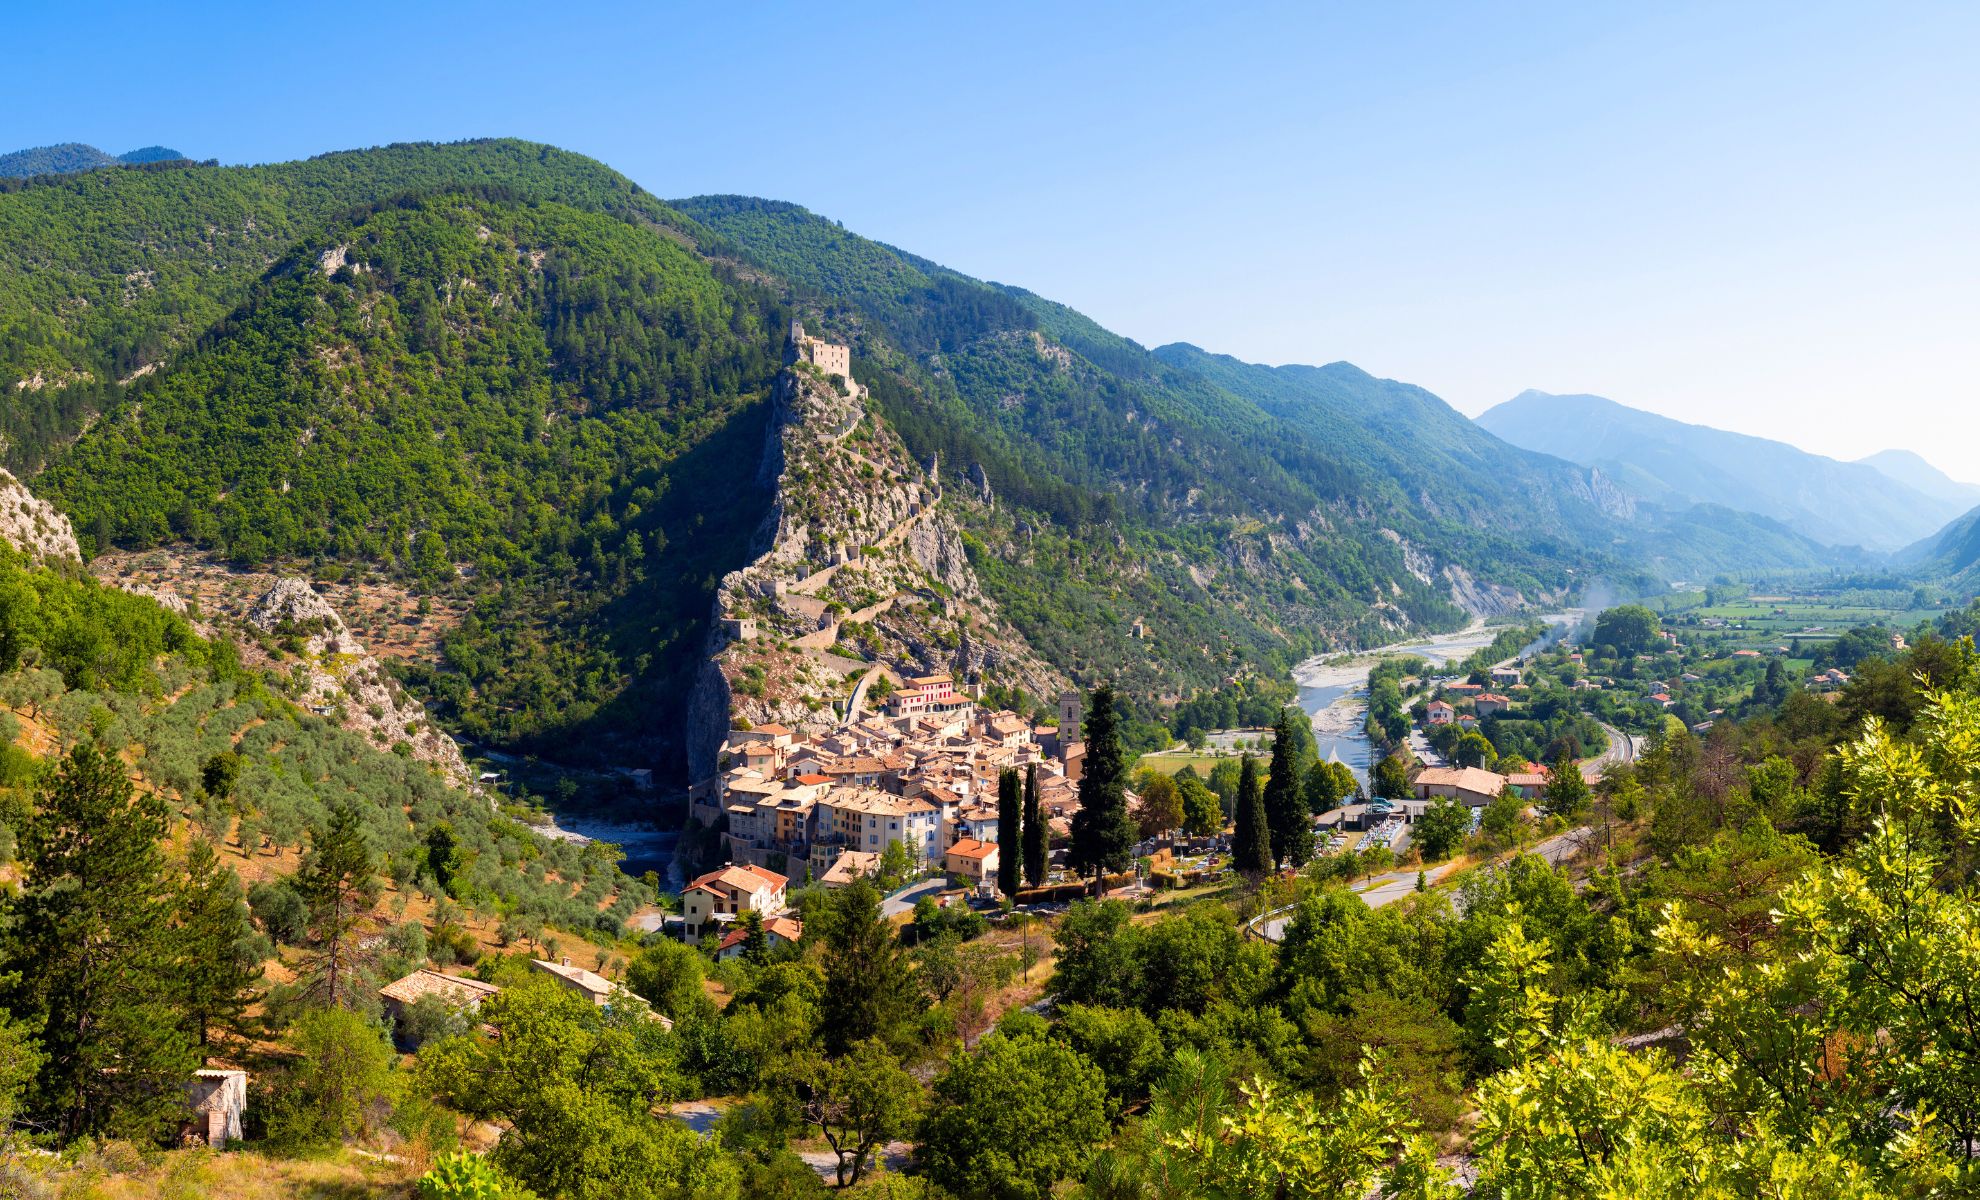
1394,885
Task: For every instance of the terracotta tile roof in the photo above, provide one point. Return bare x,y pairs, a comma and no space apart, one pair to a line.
1470,779
455,989
744,878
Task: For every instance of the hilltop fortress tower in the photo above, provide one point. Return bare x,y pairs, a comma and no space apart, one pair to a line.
827,357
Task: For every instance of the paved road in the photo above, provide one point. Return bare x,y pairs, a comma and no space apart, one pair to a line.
1621,749
1393,886
902,902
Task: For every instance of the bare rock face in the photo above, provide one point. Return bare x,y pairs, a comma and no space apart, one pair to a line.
937,548
1479,597
292,606
35,527
344,683
1603,492
163,597
858,565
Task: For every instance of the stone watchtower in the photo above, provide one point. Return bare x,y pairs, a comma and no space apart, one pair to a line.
1072,710
826,356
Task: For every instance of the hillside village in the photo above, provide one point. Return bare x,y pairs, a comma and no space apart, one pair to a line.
514,687
917,784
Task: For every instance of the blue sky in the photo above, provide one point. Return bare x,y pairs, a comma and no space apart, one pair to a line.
1756,216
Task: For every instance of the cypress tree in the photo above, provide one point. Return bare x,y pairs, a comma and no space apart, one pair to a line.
1251,849
1037,834
1103,834
90,956
339,883
1285,810
1010,831
216,971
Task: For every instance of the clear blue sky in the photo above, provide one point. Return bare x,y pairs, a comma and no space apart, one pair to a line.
1756,216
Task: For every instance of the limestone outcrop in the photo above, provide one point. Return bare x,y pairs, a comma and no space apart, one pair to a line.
35,527
343,682
858,565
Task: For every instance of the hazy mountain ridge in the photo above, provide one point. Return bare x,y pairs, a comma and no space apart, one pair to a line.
1435,458
71,157
1672,463
1911,469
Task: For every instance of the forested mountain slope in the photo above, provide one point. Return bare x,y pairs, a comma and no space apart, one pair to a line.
1126,489
1952,551
1413,443
102,274
492,369
507,377
1674,464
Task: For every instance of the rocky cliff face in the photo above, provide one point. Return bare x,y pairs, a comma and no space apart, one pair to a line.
340,680
34,526
860,567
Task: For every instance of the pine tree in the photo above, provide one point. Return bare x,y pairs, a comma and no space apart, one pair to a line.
1037,834
1010,831
1285,809
870,988
90,956
338,883
755,943
216,971
1103,834
1251,850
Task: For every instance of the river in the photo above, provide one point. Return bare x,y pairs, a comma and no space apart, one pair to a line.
1333,689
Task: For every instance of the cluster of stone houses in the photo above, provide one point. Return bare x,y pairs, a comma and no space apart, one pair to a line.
464,993
824,807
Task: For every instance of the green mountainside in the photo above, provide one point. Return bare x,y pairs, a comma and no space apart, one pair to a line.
506,376
1951,553
493,369
1129,490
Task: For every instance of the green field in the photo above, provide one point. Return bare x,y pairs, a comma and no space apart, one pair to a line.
1169,762
1813,617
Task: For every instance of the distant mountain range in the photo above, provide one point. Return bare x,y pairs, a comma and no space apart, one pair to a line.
1915,473
1883,505
69,158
